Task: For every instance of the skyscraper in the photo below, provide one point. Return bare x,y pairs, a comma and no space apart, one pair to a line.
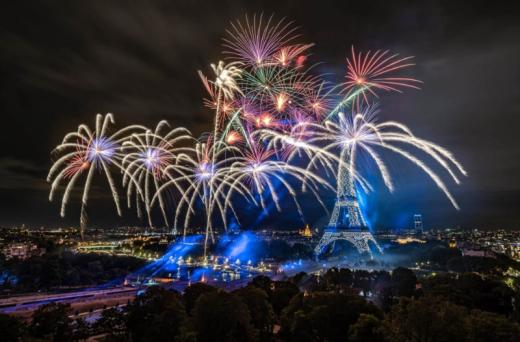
418,224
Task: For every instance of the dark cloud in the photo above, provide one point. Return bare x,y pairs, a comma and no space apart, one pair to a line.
21,174
62,62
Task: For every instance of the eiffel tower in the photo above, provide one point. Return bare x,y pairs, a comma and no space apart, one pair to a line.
346,221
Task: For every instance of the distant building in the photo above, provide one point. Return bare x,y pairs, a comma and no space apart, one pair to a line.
22,250
478,253
418,224
407,240
306,232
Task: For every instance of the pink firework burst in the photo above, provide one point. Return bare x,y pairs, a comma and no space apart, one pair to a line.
77,164
255,41
373,71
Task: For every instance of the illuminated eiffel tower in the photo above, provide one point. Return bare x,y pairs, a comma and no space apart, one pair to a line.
346,221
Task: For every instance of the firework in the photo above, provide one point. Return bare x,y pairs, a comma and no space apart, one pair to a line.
370,72
146,156
200,174
255,41
222,89
344,139
87,150
258,168
270,114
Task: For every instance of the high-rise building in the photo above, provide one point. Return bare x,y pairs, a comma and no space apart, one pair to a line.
418,224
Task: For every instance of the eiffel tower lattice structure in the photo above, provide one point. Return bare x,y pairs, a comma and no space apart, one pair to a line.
347,222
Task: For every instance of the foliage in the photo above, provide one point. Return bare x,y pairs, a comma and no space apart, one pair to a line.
473,291
220,316
193,292
51,321
261,311
156,315
367,328
113,323
70,270
333,307
11,328
323,316
433,319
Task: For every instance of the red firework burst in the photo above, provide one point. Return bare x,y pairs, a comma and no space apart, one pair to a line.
369,72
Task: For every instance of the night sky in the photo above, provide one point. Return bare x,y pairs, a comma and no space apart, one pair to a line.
63,62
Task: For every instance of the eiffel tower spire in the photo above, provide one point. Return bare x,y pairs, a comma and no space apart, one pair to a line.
346,222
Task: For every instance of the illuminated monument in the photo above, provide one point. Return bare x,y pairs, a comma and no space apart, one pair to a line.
347,222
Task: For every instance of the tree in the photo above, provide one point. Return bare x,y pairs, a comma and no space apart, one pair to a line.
361,280
220,316
403,281
338,278
11,328
381,285
425,319
298,278
52,321
112,322
156,315
323,316
472,291
439,255
262,282
281,294
488,327
367,328
81,330
193,292
261,311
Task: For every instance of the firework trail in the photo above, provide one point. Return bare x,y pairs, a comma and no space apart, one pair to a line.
146,155
87,150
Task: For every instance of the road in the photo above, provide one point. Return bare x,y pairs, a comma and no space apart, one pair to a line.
81,302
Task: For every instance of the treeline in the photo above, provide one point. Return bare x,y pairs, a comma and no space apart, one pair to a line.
64,269
443,258
340,305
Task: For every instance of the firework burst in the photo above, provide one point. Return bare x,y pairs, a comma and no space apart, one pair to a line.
87,150
146,157
254,42
200,175
259,170
373,71
344,139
